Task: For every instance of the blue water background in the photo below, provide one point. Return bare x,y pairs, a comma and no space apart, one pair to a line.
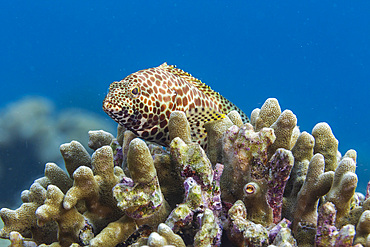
313,56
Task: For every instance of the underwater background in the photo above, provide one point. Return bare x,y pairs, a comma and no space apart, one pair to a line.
57,59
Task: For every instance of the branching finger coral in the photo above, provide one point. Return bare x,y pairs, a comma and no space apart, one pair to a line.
316,185
71,224
326,144
140,196
343,189
243,232
245,189
197,218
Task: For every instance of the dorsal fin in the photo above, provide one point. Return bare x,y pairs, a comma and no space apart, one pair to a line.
189,78
224,104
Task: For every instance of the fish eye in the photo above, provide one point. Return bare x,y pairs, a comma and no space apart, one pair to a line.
135,91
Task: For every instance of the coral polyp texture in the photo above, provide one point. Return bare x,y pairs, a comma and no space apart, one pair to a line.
262,183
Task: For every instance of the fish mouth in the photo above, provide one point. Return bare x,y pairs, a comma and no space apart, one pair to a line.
118,116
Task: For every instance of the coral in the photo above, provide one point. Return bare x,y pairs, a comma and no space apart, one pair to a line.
87,206
248,171
235,118
163,237
345,236
115,232
267,115
255,184
302,152
74,155
71,223
216,130
279,168
140,196
192,161
273,232
326,230
140,162
283,130
284,238
363,229
24,220
179,126
169,179
198,216
99,138
94,186
209,232
326,144
243,232
17,240
327,234
243,151
170,236
343,188
316,185
128,136
264,196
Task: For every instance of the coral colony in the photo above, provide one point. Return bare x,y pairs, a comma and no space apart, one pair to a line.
262,183
220,180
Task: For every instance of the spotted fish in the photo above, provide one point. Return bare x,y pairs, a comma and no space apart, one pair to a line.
143,101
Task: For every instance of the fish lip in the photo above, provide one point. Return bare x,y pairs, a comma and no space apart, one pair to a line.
117,116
